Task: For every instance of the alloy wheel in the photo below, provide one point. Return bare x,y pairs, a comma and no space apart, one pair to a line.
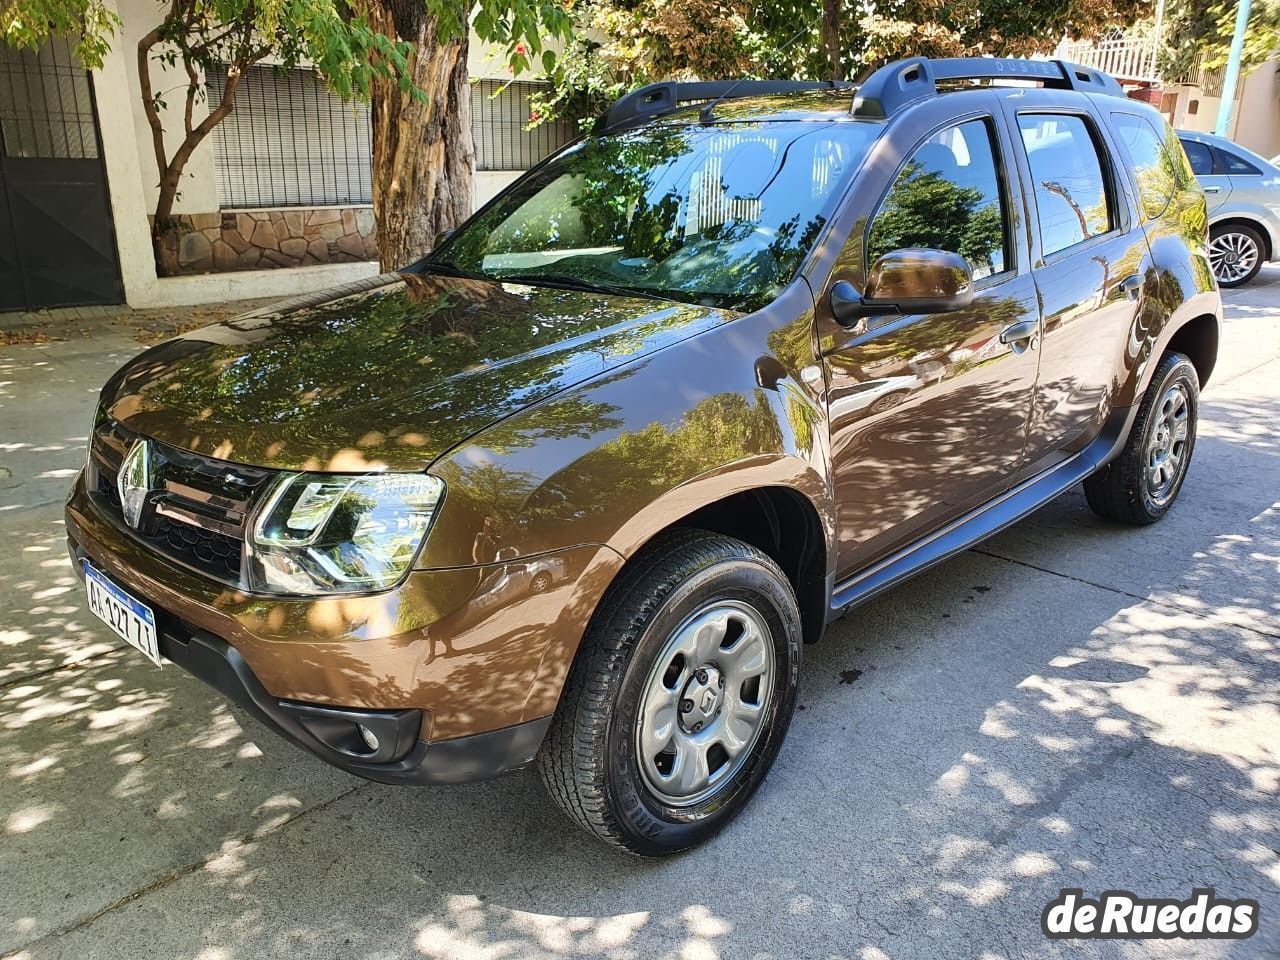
1233,256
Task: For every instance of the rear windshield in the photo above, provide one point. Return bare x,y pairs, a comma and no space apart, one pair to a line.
721,215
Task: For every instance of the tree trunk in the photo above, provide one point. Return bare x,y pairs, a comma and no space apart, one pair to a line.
164,238
423,155
831,38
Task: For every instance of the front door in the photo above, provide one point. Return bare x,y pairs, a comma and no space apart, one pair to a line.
928,413
57,245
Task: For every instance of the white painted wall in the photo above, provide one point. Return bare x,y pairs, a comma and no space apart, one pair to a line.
132,177
1256,121
199,192
488,183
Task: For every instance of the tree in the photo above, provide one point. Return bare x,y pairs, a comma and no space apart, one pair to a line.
423,156
1201,30
621,44
408,56
198,35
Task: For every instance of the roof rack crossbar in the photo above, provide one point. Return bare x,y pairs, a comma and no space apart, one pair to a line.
656,99
903,82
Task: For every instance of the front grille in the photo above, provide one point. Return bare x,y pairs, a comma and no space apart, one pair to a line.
196,510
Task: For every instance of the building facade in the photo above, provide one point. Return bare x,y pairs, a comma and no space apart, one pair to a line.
1190,102
277,200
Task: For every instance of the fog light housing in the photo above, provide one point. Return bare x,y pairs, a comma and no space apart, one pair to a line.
367,736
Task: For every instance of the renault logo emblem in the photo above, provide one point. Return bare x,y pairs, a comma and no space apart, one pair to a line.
133,483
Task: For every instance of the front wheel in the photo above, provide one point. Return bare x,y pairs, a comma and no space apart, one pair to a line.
680,697
1140,485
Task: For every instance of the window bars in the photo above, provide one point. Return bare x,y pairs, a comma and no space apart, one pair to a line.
46,105
290,142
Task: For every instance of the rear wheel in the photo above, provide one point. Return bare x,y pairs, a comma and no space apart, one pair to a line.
1140,485
1235,253
680,697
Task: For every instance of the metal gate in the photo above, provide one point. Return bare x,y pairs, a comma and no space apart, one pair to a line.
57,244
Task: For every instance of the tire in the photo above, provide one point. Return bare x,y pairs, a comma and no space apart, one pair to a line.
1126,489
540,583
683,585
1236,252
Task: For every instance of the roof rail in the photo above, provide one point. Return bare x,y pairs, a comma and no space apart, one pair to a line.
658,98
903,82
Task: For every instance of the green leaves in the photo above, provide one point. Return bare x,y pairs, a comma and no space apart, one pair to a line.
1201,30
28,23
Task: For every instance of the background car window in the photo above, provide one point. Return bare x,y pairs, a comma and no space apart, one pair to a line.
947,197
1066,174
1201,157
1235,164
1156,160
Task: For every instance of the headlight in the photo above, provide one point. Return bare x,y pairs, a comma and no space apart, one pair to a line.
327,533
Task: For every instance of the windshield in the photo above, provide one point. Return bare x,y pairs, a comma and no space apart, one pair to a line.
719,215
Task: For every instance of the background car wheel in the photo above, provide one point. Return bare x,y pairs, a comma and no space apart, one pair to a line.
1235,253
888,401
540,582
1140,485
680,697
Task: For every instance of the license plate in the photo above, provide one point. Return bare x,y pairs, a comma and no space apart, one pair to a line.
131,619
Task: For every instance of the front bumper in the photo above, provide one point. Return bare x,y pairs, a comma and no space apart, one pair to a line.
456,672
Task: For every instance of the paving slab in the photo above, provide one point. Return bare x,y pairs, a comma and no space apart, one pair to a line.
1218,550
47,397
117,774
1075,704
44,623
965,750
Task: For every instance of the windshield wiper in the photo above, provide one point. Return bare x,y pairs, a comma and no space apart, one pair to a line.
568,282
449,269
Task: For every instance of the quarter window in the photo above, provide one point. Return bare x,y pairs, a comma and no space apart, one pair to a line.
1156,161
1068,180
947,197
1236,165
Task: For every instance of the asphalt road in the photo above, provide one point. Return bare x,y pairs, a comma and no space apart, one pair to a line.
1070,705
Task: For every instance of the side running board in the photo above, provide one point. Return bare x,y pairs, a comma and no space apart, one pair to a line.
988,519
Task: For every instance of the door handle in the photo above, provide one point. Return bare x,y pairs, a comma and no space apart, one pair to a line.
1021,335
1132,285
1212,189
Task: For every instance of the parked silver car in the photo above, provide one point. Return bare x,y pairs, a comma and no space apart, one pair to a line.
1243,191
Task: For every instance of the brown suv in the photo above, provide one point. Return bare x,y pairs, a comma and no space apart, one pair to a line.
580,485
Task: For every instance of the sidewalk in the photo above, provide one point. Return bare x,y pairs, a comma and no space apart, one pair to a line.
143,326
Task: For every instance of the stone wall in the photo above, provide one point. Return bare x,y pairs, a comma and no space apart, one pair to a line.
263,239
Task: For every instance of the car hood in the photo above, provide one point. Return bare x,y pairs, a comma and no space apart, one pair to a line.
386,377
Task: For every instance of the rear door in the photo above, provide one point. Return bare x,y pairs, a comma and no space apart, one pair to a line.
928,412
1091,267
1216,184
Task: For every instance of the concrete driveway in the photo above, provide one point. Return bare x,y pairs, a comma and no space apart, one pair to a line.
1071,705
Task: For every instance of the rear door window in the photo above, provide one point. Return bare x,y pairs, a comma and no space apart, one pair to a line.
1068,179
1201,157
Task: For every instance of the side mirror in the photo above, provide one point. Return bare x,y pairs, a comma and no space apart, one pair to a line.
914,280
